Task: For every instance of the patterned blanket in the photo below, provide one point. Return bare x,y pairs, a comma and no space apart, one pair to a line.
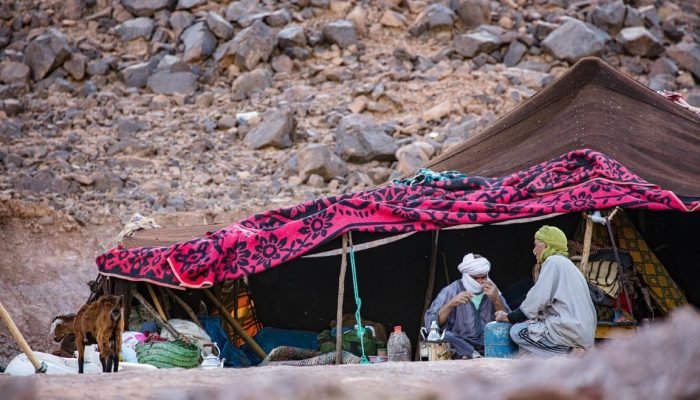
577,181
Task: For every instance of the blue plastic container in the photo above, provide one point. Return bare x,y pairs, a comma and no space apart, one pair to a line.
497,341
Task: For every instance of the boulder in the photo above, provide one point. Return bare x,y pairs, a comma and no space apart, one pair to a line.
320,160
574,40
173,82
472,12
413,156
73,9
687,55
663,65
188,4
340,32
75,66
219,26
146,8
135,28
486,39
638,41
360,139
434,17
199,42
180,20
610,16
278,18
515,53
136,75
47,52
251,82
15,72
291,36
275,130
248,48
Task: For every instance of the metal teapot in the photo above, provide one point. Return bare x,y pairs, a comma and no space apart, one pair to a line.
434,335
212,360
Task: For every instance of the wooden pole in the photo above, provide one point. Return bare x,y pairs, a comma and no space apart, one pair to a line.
341,294
185,307
40,367
154,298
235,325
155,315
431,282
587,238
167,305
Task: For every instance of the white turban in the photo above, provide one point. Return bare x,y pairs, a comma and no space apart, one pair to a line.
471,266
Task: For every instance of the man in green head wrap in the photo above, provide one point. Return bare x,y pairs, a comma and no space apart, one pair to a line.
557,315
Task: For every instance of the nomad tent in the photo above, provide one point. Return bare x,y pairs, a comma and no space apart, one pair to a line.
594,139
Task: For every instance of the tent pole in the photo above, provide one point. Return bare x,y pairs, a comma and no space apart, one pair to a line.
235,325
167,305
341,295
185,307
155,315
431,281
587,238
40,367
154,298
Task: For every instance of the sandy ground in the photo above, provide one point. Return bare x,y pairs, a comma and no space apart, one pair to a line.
378,381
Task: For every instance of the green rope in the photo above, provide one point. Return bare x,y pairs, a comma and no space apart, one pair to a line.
360,329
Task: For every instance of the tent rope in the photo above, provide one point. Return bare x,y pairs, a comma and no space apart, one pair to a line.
358,301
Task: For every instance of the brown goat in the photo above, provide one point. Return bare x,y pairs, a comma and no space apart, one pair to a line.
63,332
102,320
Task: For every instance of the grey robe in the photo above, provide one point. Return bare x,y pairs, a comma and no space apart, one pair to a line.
560,305
465,324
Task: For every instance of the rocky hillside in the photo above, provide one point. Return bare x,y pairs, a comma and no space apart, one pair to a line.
109,107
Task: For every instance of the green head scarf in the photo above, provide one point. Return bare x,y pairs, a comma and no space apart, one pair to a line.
555,241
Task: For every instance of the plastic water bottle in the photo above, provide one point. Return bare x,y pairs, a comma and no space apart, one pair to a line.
398,346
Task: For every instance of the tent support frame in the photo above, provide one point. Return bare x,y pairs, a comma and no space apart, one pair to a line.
341,295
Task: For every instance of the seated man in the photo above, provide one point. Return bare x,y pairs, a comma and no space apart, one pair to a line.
465,306
557,315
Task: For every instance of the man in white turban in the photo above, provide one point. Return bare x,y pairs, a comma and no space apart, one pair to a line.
463,307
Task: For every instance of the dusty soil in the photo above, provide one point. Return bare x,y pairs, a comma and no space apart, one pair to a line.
378,381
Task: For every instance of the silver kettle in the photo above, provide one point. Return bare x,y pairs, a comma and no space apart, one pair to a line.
212,360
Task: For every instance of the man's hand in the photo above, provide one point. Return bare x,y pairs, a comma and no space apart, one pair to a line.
490,290
462,298
501,316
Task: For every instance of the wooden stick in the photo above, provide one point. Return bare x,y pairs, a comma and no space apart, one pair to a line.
40,367
155,315
166,302
235,325
341,294
186,307
431,282
155,301
587,237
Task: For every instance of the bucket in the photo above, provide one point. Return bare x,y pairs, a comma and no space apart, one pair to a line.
497,341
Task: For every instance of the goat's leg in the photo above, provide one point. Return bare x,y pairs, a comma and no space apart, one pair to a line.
115,353
80,345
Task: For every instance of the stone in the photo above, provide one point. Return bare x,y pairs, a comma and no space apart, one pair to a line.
173,82
146,8
516,51
11,107
227,122
248,48
318,159
434,17
438,112
472,12
291,36
75,66
360,139
393,19
240,10
98,68
10,130
219,26
413,156
340,32
663,65
73,9
180,20
638,41
486,39
135,28
278,18
687,55
275,130
15,72
136,75
199,43
188,4
47,52
609,16
250,82
574,40
662,82
282,63
358,17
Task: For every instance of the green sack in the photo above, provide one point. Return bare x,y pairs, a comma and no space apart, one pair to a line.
350,342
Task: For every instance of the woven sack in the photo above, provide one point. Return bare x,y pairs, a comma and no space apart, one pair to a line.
171,354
